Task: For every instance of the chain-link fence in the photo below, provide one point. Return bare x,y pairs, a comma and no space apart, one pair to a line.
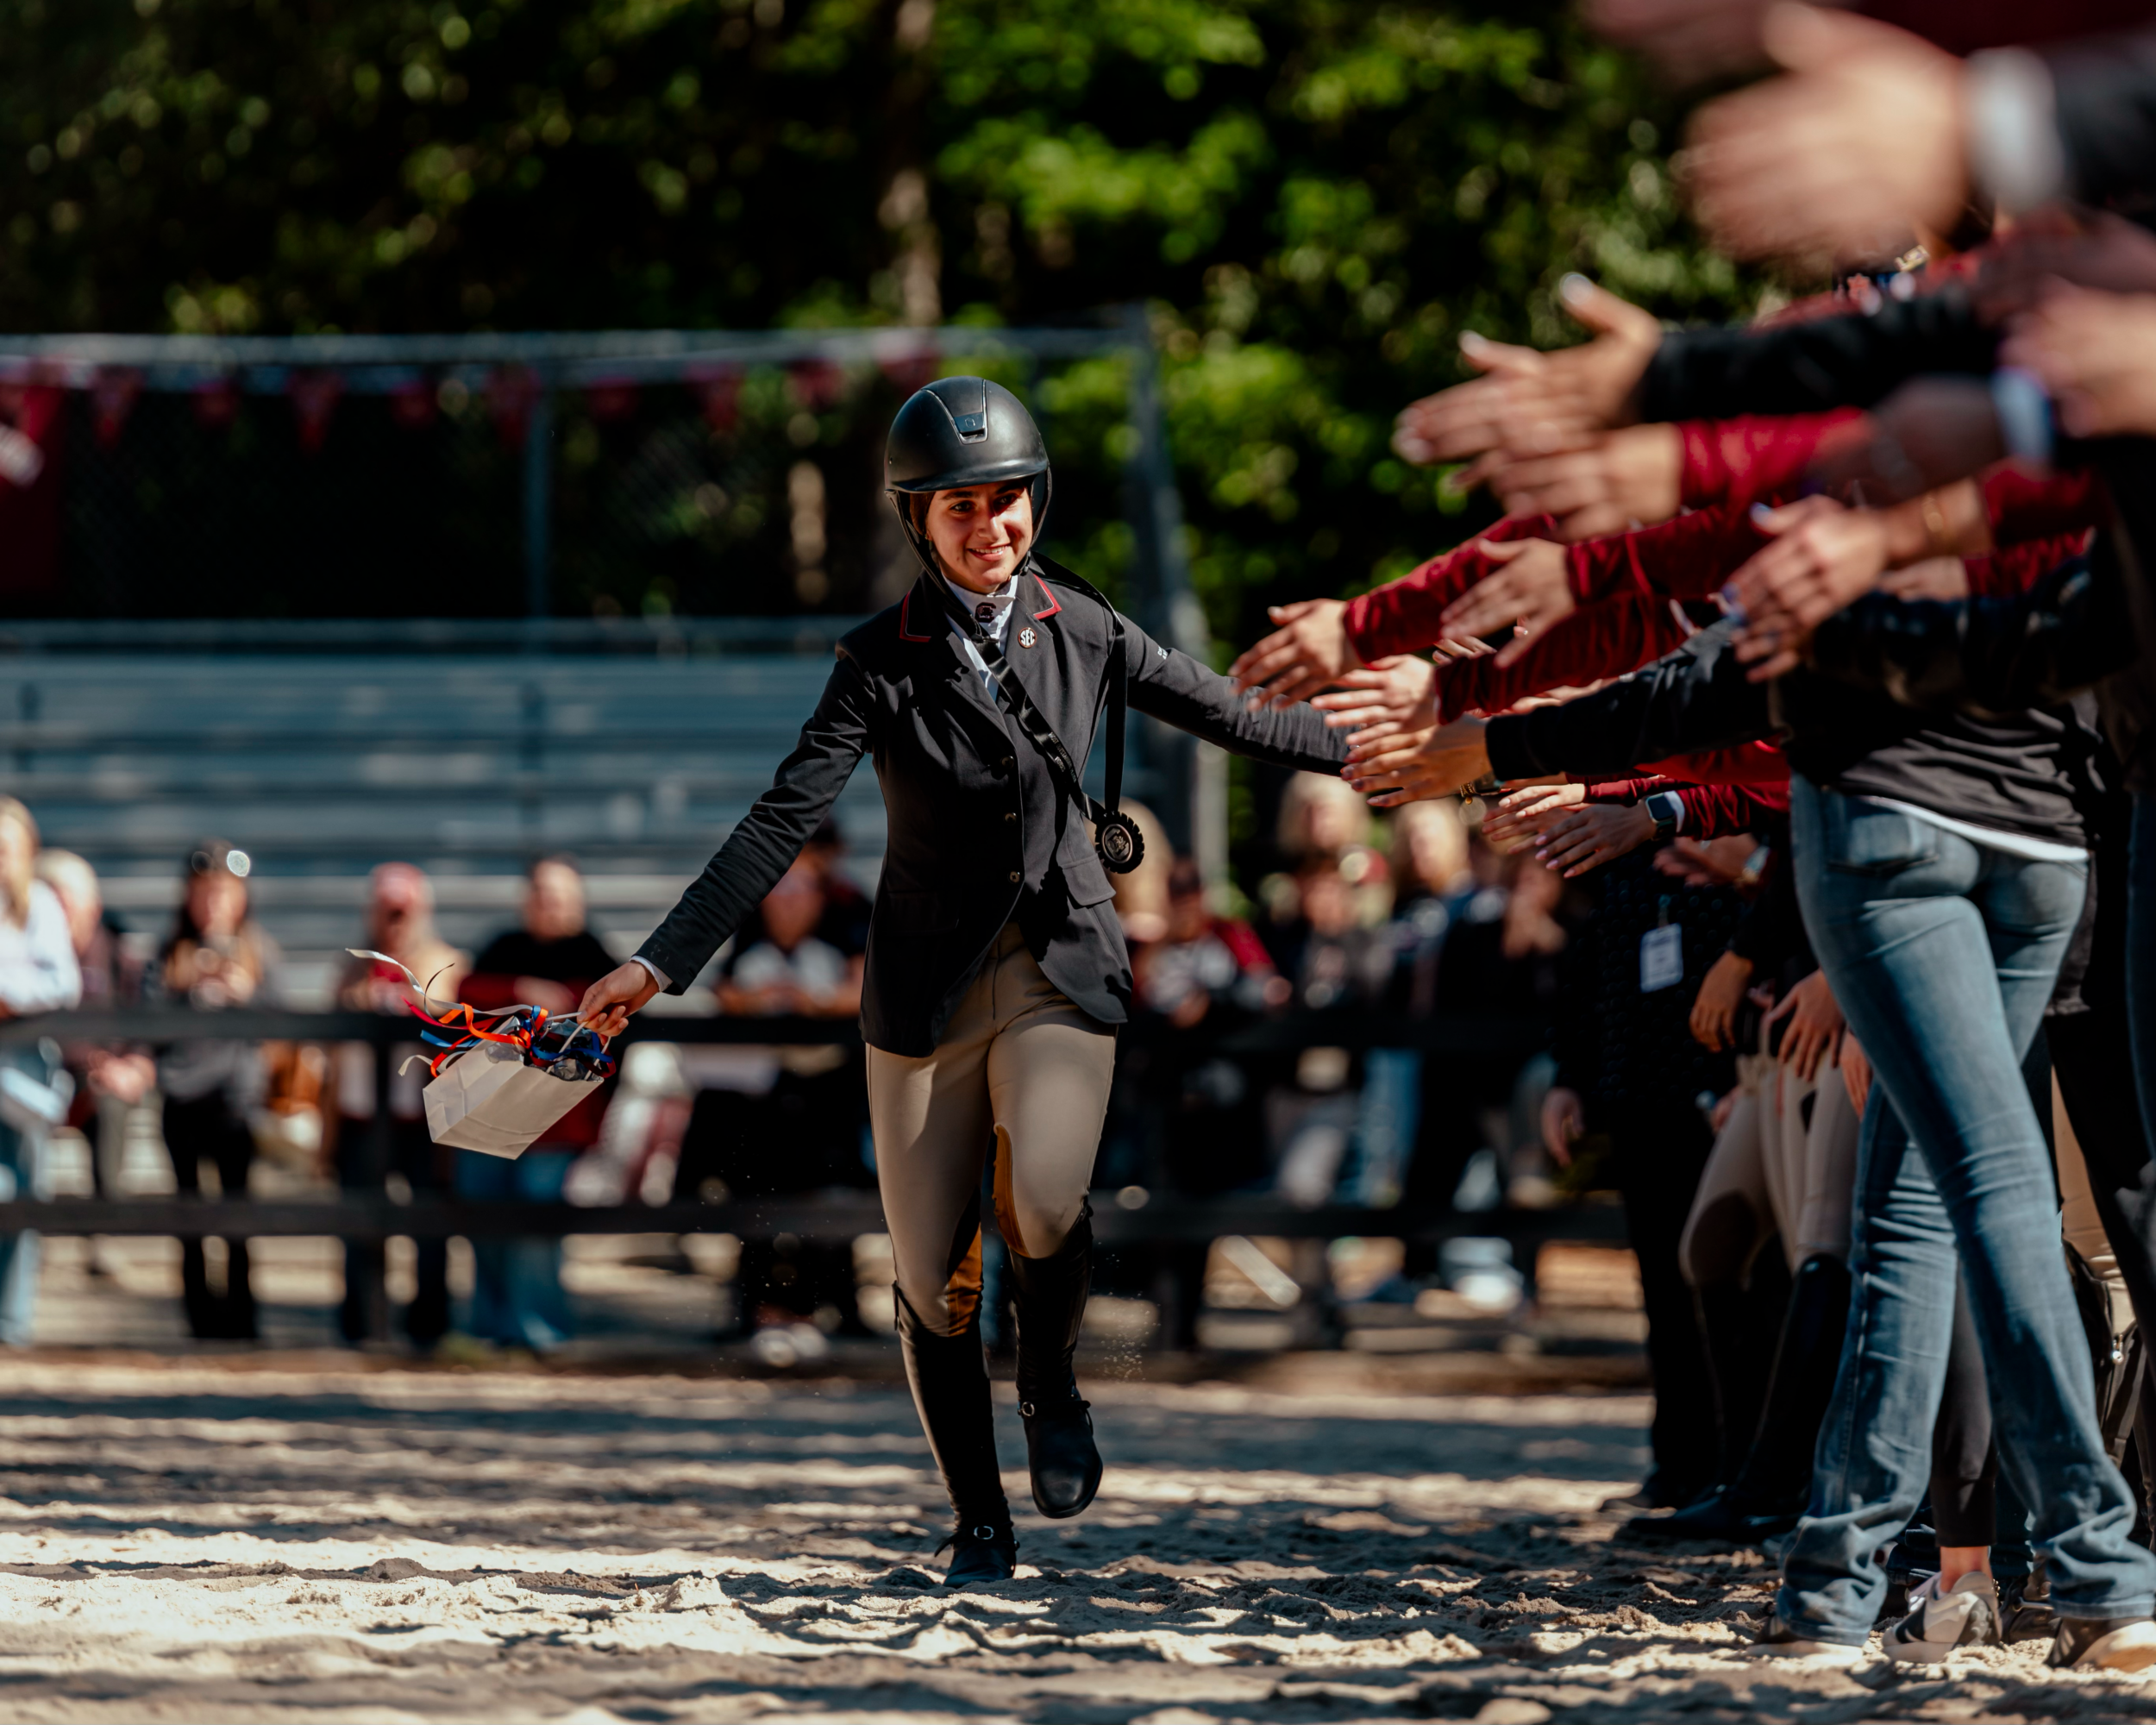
687,474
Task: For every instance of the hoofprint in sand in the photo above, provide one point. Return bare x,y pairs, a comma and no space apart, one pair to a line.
182,1542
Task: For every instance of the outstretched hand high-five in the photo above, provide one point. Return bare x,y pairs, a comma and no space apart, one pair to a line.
608,1003
1419,765
1535,404
1527,592
1308,652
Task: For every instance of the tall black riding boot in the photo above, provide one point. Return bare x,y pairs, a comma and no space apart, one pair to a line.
949,1376
1733,1321
1051,1303
1770,1490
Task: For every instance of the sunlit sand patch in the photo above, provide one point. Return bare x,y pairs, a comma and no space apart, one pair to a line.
339,1545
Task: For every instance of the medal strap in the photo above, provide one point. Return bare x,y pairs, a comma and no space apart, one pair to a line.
1031,720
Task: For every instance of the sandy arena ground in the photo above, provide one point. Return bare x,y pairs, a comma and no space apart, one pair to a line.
320,1538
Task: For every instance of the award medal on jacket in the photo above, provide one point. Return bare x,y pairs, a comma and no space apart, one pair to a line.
1121,845
1116,838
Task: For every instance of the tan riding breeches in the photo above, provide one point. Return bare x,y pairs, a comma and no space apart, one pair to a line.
1019,1068
2078,1219
1785,1163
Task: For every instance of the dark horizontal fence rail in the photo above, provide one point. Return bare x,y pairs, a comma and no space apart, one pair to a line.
310,739
365,1215
689,636
264,364
836,1213
163,1025
1448,1034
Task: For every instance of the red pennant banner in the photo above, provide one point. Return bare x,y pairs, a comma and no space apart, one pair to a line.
816,384
611,398
909,372
35,413
31,408
511,392
413,405
720,388
112,399
314,399
217,404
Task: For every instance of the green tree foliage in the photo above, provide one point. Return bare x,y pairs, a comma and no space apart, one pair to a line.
1315,196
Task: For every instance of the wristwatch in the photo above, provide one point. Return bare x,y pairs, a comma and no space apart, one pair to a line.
1666,810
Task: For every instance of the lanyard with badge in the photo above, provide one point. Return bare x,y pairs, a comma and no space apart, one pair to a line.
1115,835
1661,953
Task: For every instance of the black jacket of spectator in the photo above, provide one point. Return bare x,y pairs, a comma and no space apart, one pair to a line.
2025,772
1615,1044
580,958
980,833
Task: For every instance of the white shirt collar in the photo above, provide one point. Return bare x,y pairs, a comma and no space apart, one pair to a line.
992,610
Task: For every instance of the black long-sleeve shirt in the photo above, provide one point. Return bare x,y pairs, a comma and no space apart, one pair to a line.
2019,773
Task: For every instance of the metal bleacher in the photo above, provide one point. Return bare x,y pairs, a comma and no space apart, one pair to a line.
467,750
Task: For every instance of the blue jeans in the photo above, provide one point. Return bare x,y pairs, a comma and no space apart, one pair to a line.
19,1251
22,1176
1942,955
516,1295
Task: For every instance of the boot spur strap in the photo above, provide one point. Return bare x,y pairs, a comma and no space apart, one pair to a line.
987,1531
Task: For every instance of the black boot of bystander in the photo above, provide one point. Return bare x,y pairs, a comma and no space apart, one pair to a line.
1770,1491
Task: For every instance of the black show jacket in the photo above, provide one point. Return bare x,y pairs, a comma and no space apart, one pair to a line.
979,832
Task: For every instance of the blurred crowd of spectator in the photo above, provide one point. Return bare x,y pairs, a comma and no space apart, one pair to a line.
1359,922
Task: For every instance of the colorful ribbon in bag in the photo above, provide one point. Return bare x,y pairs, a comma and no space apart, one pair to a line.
581,1053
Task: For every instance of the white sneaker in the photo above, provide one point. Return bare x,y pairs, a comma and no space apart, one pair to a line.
1939,1623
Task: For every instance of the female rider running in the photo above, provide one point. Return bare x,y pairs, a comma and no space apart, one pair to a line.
997,971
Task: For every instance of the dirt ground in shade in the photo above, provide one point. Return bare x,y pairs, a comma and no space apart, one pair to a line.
310,1537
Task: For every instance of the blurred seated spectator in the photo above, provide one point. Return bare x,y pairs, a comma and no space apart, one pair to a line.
1433,879
1185,1118
1335,961
1141,896
111,1079
1199,957
215,958
1332,955
781,962
1323,819
771,1121
548,961
37,974
1507,922
844,924
400,924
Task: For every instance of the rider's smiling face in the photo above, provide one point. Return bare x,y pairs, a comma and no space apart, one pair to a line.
982,532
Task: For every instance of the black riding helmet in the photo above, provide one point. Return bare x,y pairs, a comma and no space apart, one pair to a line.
961,431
